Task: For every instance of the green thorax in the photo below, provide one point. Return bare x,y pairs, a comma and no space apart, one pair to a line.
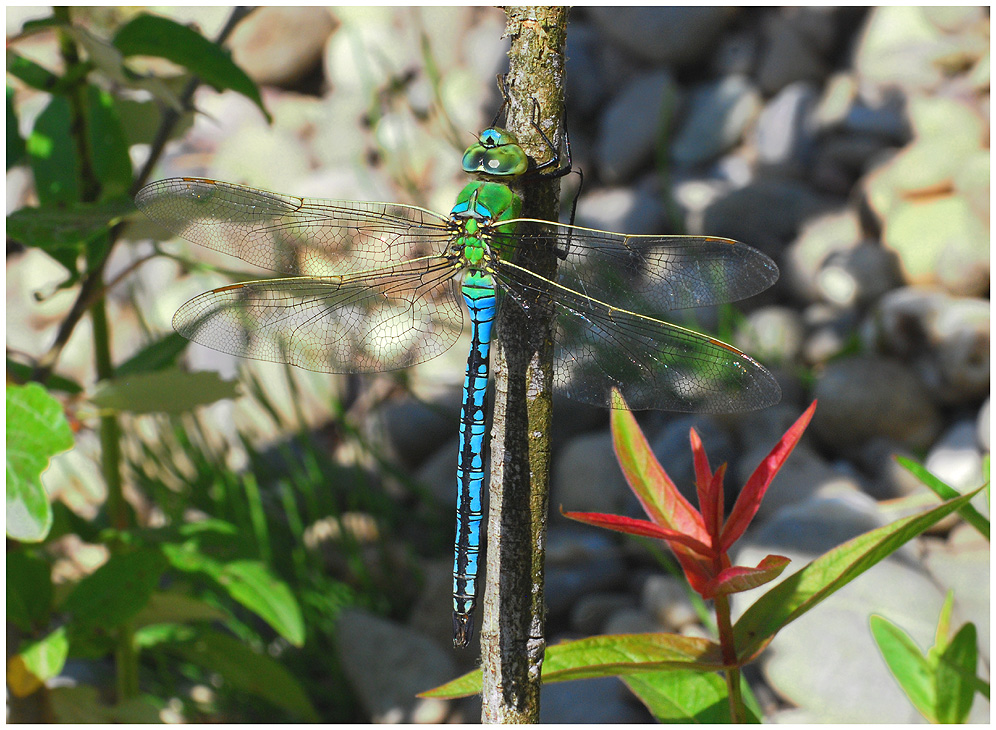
485,202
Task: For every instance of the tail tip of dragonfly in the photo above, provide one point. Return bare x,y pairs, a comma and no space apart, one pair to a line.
463,630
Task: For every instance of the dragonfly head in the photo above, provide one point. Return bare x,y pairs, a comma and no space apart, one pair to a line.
495,154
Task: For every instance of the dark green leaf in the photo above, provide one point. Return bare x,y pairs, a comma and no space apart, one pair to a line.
176,608
117,590
907,663
163,391
803,590
150,35
108,146
29,590
944,491
29,72
254,673
21,373
52,154
158,355
955,679
16,151
66,230
36,430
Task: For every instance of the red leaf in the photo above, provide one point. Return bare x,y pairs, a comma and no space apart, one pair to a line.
660,498
753,492
642,528
740,578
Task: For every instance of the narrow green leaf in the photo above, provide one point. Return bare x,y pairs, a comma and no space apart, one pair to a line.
30,73
954,683
29,590
945,491
253,585
173,607
907,663
38,662
37,430
117,590
16,151
52,154
157,355
150,35
607,656
163,391
19,372
254,673
943,624
63,231
803,590
108,146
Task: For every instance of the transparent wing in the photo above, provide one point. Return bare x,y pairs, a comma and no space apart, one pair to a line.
656,365
294,236
370,321
650,275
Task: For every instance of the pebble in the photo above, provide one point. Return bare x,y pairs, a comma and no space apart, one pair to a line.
717,116
662,35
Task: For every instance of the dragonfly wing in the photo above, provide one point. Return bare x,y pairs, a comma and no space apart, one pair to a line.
296,236
651,274
656,365
371,321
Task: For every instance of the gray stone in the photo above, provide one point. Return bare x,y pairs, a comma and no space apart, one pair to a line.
414,428
888,479
587,476
580,560
859,275
830,332
820,237
388,664
278,45
438,472
591,612
983,425
601,700
666,599
766,214
946,338
662,35
955,458
586,87
961,564
632,621
633,209
785,132
631,126
717,116
772,335
790,53
863,397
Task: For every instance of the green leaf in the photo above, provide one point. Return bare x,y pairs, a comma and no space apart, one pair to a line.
684,696
158,355
108,146
944,491
36,430
52,154
21,373
29,590
37,663
117,590
176,608
150,35
64,231
607,656
30,73
253,585
954,682
907,663
163,391
16,151
803,590
254,673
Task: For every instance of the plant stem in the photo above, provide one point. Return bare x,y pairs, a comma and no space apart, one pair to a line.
512,631
732,673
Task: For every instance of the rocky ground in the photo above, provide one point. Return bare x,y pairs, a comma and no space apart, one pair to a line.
850,145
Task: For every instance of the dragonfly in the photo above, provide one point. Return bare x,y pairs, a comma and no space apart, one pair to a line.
367,287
